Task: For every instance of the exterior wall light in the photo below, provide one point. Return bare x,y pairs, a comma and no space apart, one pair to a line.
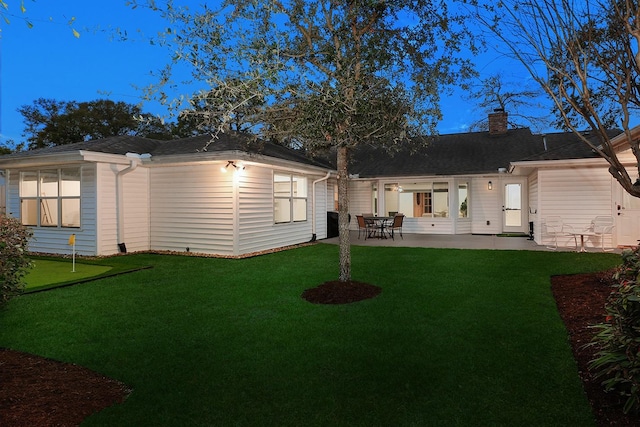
490,185
237,167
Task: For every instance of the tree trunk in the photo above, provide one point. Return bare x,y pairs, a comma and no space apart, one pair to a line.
343,215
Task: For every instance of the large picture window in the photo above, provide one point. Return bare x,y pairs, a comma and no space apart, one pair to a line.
50,197
418,200
289,198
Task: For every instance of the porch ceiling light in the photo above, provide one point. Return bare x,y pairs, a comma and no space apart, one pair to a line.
490,185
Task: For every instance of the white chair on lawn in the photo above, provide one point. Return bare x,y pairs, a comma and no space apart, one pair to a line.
602,226
554,227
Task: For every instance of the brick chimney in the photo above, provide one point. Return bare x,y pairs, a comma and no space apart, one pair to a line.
498,122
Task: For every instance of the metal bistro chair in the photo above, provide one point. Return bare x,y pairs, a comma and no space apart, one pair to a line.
364,226
396,225
554,227
602,226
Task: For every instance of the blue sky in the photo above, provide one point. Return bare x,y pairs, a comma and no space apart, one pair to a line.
47,61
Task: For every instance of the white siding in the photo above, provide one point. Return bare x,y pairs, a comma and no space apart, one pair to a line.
486,206
192,206
577,195
324,204
106,209
135,232
136,210
257,230
360,200
200,208
534,203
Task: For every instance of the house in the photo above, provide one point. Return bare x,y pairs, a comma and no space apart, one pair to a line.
569,180
500,181
134,194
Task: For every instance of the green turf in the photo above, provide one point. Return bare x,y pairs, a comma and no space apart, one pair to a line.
45,272
456,338
50,272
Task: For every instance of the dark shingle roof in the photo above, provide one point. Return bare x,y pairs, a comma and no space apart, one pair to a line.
567,145
194,145
453,154
112,145
469,153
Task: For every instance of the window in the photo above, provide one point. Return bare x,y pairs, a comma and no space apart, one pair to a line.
463,200
418,199
50,197
289,198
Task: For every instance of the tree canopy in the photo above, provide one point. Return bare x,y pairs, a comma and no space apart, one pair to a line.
584,55
7,12
523,103
321,74
49,122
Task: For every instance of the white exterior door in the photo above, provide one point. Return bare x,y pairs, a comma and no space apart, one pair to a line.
513,220
627,219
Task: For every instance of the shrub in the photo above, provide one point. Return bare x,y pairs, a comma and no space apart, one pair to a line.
14,263
618,358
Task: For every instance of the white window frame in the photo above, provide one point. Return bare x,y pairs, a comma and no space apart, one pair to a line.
287,197
49,209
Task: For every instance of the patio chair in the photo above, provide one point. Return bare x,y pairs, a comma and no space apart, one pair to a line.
554,227
602,226
396,225
364,226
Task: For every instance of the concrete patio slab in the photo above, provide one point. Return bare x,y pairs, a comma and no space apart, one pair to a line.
459,241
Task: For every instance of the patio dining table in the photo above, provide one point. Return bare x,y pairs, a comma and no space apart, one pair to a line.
379,222
582,234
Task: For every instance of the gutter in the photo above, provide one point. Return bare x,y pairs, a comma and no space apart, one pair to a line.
313,205
134,161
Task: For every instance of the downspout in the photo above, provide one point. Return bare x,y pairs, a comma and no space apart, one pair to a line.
313,203
134,160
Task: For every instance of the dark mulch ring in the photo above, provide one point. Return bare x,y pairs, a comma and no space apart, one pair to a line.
336,292
43,392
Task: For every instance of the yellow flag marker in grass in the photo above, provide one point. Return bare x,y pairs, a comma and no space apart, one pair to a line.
72,242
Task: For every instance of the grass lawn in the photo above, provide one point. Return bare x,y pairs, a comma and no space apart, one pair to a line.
456,338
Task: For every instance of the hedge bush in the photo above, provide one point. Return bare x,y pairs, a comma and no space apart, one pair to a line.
618,339
14,263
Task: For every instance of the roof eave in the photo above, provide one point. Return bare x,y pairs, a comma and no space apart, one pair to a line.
621,142
596,161
238,155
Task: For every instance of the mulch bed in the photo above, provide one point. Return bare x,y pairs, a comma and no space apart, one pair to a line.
35,391
581,299
42,392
